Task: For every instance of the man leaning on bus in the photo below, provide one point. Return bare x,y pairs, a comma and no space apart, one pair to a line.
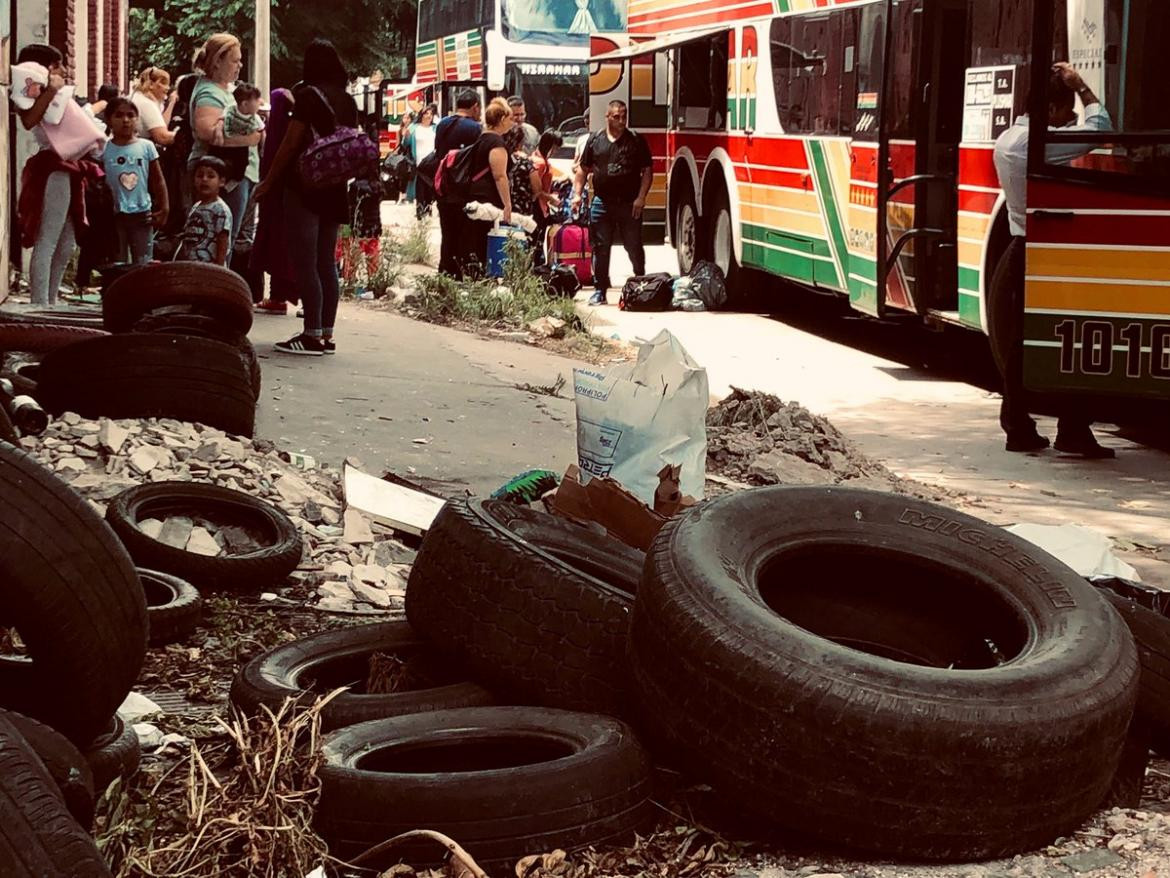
1073,433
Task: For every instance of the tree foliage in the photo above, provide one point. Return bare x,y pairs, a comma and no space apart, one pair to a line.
369,34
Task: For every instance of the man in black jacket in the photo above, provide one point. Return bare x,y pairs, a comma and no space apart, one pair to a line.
458,130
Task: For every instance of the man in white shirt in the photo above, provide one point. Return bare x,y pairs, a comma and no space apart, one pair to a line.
1074,434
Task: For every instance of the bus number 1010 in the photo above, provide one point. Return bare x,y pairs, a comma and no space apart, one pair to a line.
1096,340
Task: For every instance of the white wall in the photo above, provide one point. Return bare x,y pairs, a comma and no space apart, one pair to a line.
81,46
32,26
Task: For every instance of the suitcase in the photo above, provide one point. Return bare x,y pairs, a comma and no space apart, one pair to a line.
569,245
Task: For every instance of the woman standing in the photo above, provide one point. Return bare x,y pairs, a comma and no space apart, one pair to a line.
313,217
270,249
218,62
492,188
422,144
550,141
155,101
51,204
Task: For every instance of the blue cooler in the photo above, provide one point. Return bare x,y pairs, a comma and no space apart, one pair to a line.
496,252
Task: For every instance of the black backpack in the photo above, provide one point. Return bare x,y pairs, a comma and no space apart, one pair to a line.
457,176
560,281
647,292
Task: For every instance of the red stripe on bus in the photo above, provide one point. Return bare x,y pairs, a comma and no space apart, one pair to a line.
977,202
1068,196
775,152
977,168
656,23
1118,231
786,179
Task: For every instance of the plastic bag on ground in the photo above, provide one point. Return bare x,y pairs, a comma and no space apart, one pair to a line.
633,421
684,297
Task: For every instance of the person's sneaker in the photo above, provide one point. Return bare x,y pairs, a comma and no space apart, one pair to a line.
598,298
1084,447
302,345
270,307
1027,442
330,347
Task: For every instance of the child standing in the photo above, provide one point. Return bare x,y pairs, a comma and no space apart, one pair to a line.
238,121
206,236
135,177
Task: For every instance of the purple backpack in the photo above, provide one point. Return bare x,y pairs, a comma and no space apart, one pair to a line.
337,158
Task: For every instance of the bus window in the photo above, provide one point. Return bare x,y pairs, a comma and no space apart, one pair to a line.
553,92
440,18
701,100
1116,47
808,58
1002,37
871,35
523,21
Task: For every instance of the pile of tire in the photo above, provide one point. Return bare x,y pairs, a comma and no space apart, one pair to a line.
74,624
863,669
172,343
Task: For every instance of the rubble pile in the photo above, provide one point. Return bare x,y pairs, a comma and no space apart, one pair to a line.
760,440
354,564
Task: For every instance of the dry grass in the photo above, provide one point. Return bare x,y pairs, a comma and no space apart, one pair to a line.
240,807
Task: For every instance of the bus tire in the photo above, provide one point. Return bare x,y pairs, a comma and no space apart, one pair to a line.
1005,308
687,234
722,242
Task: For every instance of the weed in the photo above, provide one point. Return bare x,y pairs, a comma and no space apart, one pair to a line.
553,389
367,264
415,247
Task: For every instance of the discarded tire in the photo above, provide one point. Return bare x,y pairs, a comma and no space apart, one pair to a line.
38,836
266,566
812,648
314,666
71,315
201,326
173,606
206,289
39,338
8,431
69,589
504,781
536,607
114,754
1151,632
149,376
64,762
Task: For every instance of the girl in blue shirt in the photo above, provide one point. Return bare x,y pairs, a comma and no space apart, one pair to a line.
136,180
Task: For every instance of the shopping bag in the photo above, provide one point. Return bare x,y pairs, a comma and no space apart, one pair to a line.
633,421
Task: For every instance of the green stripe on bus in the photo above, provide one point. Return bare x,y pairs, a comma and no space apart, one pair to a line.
473,38
449,44
790,265
426,49
863,267
969,308
828,198
781,5
968,278
780,238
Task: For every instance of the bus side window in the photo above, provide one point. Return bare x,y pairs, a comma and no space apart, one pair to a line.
808,59
702,83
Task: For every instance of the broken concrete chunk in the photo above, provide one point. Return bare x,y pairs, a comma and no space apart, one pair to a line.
71,418
370,573
71,464
152,527
145,459
207,452
371,595
112,436
176,532
329,516
237,541
390,552
312,512
357,529
201,542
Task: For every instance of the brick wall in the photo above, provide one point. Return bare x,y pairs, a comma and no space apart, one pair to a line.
63,31
96,34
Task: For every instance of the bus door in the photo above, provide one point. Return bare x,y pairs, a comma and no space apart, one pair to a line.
920,190
1097,277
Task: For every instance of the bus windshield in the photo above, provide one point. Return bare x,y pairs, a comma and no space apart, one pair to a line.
560,22
553,92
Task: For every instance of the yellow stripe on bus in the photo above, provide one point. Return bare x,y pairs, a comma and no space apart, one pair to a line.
1115,264
785,220
1061,295
795,199
642,82
971,254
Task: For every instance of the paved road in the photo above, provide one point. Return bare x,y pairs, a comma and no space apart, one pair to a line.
921,402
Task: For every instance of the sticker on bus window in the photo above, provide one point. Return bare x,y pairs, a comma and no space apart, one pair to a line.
867,100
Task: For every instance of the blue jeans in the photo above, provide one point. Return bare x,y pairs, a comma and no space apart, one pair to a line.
606,218
135,234
237,202
312,245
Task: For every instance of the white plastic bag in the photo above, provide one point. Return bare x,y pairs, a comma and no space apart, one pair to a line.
633,421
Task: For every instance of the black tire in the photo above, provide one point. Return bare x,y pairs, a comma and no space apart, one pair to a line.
504,781
202,326
250,571
206,289
534,606
39,338
8,431
687,234
748,667
146,376
311,667
64,762
1151,632
87,318
114,754
69,588
173,606
721,246
1005,308
38,837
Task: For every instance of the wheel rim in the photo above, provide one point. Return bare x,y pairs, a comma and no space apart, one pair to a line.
723,243
687,238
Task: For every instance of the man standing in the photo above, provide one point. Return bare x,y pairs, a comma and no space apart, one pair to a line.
458,130
520,117
620,162
1074,433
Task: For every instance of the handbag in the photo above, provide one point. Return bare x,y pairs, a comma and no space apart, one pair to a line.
338,157
76,135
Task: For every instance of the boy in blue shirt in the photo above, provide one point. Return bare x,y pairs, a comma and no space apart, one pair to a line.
136,181
209,224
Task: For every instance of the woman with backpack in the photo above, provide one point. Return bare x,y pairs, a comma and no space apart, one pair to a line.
312,217
490,184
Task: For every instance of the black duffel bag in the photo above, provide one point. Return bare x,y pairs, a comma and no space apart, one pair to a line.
647,292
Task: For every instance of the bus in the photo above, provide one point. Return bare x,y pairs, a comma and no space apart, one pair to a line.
847,146
535,49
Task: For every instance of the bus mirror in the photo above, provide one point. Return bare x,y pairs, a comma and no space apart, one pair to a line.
494,45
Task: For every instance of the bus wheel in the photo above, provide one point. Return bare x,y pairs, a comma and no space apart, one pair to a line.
723,244
686,236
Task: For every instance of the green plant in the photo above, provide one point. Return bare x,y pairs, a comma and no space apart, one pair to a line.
415,247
